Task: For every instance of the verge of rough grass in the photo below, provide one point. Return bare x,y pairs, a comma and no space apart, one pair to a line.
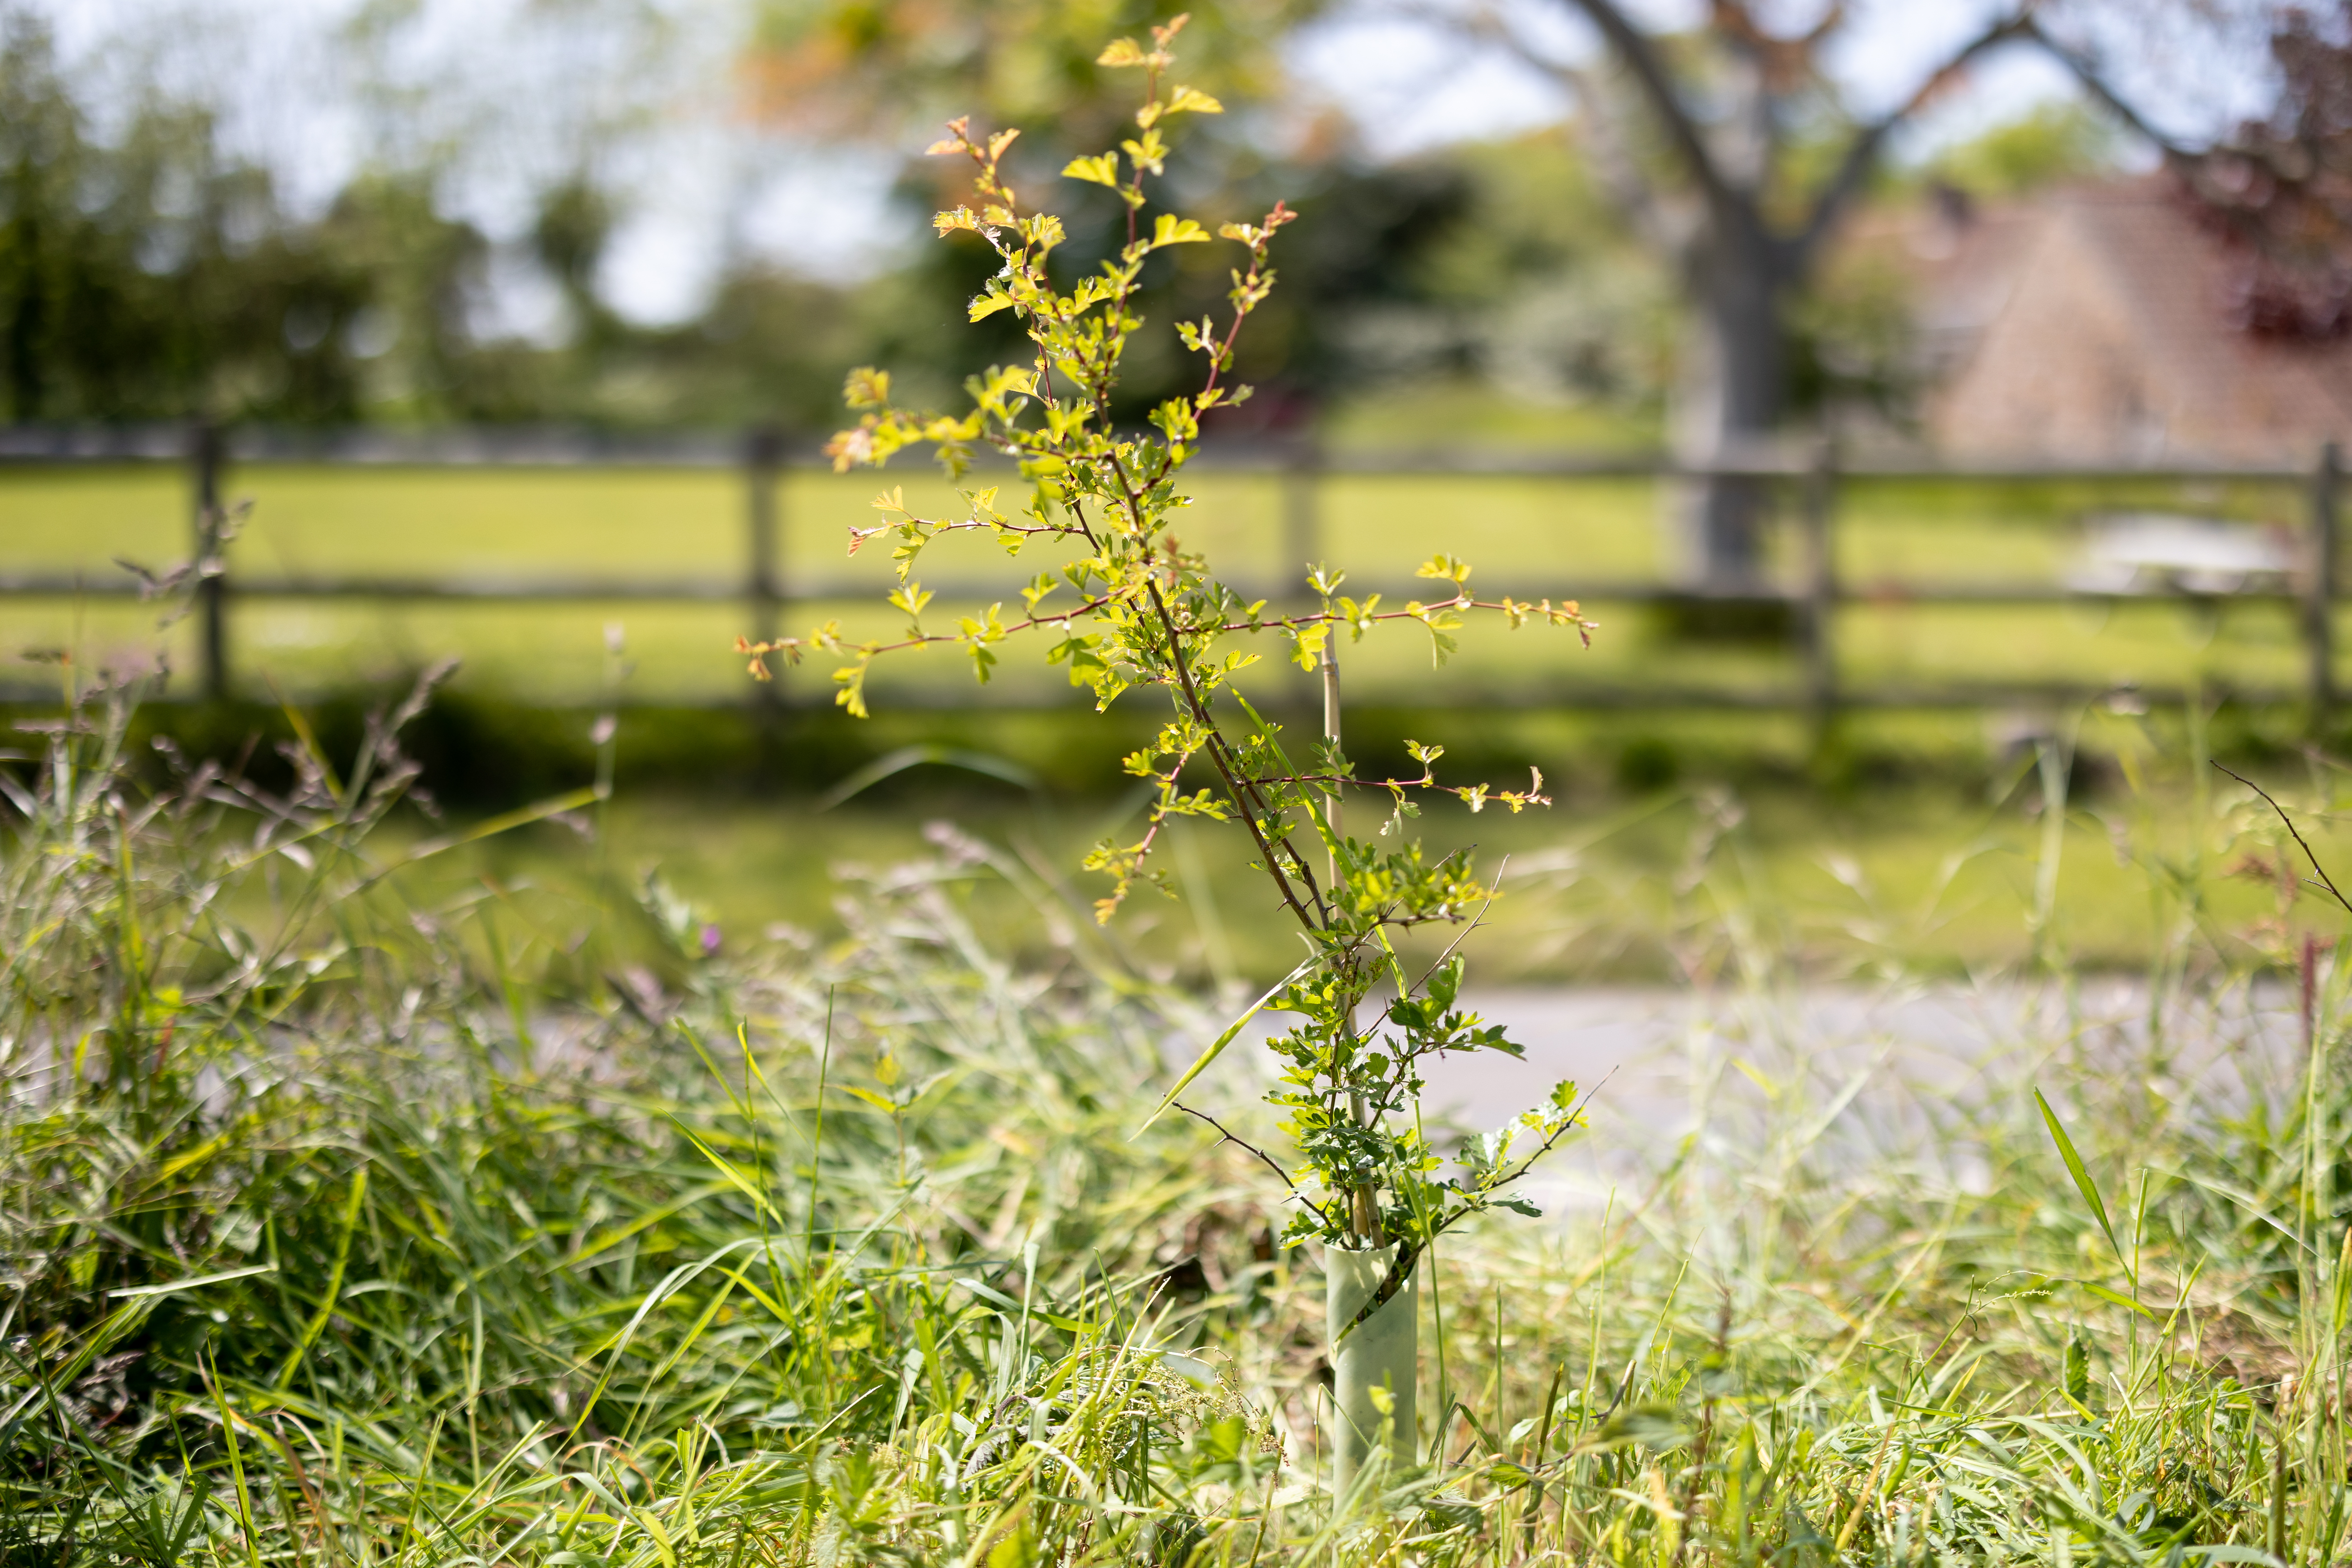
523,1227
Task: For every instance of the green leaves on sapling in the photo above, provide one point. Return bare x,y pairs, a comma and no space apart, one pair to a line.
1143,611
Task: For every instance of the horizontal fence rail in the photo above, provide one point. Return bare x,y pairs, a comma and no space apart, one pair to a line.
498,446
763,455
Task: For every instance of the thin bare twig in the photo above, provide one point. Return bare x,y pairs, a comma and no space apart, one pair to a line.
2325,879
1200,711
1475,922
1244,1144
1575,1118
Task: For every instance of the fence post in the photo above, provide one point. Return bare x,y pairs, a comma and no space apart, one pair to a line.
2319,583
763,449
1301,521
205,458
1816,510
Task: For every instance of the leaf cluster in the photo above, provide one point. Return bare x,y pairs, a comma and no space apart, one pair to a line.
1127,605
1350,1151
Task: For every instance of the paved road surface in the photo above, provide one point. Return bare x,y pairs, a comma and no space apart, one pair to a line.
1883,1071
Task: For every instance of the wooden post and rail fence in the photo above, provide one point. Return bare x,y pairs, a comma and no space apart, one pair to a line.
764,455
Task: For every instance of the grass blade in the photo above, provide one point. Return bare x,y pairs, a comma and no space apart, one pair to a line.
1217,1048
2083,1182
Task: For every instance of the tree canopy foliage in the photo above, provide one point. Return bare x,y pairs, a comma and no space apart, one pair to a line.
868,67
152,274
148,276
148,271
2280,186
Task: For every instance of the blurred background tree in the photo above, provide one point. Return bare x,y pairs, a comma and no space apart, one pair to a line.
896,69
154,267
147,277
155,273
2280,188
1735,151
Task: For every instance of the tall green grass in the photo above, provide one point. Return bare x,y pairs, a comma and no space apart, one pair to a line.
351,1219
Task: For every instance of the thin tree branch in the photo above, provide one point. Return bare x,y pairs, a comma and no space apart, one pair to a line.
1612,161
1282,1174
1646,210
1862,154
1408,1253
2097,87
1649,68
2325,879
1200,710
1475,922
1575,1119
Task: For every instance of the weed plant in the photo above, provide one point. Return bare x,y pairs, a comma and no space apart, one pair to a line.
341,1228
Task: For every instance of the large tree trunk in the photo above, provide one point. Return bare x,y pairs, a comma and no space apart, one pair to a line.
1732,391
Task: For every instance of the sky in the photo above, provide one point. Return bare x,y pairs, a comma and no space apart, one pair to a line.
527,91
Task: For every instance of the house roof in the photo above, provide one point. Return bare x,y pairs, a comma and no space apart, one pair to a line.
2098,322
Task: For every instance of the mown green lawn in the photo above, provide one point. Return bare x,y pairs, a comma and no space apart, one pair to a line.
648,525
1606,885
